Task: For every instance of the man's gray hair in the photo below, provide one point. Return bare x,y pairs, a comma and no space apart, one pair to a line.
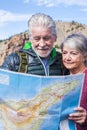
41,19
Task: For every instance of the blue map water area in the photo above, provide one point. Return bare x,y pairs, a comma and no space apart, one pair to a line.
70,101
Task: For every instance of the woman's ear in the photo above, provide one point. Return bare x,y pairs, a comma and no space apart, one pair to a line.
85,60
85,57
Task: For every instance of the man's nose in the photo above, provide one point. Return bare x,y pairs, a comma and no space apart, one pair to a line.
42,42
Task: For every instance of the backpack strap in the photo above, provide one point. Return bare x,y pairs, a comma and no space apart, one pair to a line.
23,66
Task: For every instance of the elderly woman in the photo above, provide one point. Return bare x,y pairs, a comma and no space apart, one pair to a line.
74,56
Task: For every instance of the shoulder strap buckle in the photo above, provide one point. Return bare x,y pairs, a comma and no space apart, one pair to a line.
23,67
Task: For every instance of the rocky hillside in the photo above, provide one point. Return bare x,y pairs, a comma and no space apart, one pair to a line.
16,42
12,44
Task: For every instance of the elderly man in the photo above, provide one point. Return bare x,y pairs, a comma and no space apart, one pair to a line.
40,57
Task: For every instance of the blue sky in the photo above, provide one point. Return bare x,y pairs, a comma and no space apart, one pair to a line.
14,14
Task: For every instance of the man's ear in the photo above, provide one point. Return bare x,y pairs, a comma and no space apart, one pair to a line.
55,38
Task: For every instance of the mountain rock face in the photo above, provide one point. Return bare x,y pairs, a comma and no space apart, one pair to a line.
13,44
16,42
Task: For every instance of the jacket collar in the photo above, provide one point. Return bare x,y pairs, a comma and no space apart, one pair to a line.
28,49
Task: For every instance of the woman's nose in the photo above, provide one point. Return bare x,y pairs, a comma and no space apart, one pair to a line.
68,57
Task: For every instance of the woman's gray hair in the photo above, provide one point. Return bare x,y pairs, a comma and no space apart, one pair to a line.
41,19
77,41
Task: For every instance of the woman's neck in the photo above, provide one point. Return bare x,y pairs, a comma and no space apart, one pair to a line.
78,70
